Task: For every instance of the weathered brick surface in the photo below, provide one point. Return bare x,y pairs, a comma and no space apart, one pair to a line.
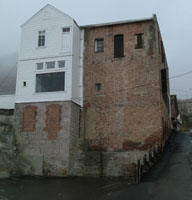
53,120
29,118
126,114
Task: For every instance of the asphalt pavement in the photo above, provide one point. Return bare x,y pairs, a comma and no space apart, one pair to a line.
169,179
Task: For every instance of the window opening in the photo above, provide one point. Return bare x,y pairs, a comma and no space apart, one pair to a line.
97,86
66,30
50,65
50,82
118,46
139,41
41,38
61,64
39,66
99,45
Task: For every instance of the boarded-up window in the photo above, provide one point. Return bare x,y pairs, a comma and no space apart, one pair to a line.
118,46
139,41
53,120
50,82
29,119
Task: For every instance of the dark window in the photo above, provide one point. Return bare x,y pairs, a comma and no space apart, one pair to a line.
24,83
97,86
99,45
164,80
139,41
65,30
41,38
164,87
50,82
162,53
118,46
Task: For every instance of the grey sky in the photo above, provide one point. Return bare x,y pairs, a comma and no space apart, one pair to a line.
174,17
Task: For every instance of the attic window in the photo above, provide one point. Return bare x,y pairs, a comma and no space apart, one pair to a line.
66,29
41,39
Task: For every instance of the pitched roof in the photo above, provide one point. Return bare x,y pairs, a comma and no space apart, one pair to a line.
47,6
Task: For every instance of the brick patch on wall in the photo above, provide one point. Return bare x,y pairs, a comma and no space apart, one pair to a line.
29,119
53,120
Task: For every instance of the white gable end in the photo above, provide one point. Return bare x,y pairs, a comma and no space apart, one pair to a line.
48,13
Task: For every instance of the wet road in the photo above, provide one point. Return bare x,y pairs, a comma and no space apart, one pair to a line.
170,178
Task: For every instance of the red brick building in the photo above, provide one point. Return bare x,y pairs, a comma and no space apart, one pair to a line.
126,94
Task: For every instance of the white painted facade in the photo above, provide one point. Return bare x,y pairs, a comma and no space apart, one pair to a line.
59,46
7,101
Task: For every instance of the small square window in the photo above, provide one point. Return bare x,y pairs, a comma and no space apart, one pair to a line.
99,45
66,29
41,38
39,66
50,65
139,41
97,86
61,64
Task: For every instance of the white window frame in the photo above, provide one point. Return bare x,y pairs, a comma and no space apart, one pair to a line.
50,62
67,32
61,61
38,38
53,70
42,68
96,45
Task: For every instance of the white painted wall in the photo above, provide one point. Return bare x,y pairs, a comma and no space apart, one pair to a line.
76,64
7,101
58,46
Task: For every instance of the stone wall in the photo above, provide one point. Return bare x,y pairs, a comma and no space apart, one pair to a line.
10,163
45,135
7,116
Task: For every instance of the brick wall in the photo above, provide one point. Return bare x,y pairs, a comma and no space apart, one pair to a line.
126,114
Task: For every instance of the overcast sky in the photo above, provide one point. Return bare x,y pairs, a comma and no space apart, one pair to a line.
174,17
